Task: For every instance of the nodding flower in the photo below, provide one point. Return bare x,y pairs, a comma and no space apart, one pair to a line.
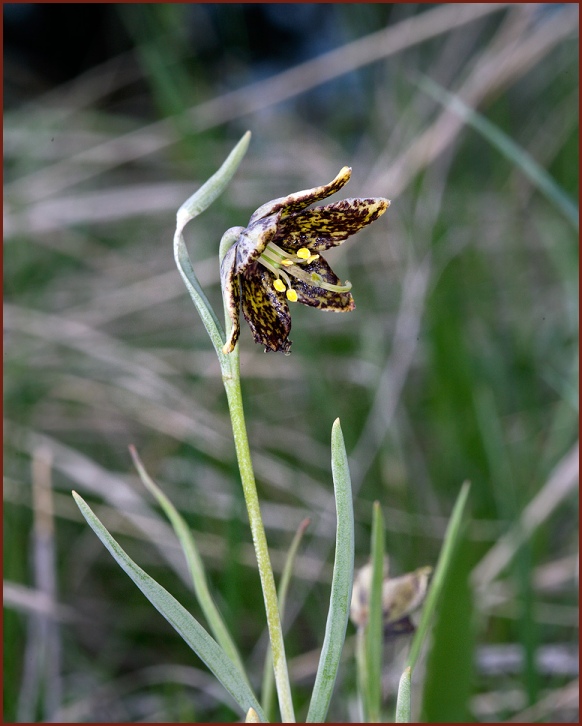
276,260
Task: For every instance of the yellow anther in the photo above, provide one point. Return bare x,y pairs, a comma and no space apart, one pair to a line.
278,285
291,295
287,262
303,253
311,258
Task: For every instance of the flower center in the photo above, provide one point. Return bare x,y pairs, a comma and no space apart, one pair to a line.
284,265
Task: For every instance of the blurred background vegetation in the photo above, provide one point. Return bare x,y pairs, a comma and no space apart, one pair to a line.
459,363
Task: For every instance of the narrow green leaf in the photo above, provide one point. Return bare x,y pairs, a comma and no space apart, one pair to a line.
213,188
374,635
195,565
207,314
448,683
192,207
268,687
452,536
342,579
362,672
503,143
205,647
403,698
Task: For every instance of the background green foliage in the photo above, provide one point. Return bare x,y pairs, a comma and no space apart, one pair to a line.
459,362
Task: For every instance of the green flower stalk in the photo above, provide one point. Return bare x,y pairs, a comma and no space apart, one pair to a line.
275,260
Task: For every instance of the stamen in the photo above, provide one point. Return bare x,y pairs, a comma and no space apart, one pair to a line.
314,279
285,276
274,258
269,264
276,251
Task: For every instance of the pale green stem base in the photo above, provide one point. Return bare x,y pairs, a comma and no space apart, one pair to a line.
233,393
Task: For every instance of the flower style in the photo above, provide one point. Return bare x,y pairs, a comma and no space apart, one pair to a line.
275,260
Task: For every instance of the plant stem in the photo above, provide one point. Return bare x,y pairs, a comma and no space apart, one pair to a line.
233,392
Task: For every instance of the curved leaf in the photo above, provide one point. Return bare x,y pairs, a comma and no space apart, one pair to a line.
341,586
205,647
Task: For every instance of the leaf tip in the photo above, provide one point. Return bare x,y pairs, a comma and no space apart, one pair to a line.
252,715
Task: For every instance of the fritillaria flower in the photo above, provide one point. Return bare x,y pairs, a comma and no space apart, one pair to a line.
276,260
401,596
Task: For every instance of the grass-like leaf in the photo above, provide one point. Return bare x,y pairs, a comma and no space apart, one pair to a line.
195,565
503,143
205,647
374,637
192,207
213,188
403,698
441,572
448,679
341,586
268,687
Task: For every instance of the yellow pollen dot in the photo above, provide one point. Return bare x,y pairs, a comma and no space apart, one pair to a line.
291,295
303,253
278,285
287,262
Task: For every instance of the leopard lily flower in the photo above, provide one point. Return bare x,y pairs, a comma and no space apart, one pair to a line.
276,260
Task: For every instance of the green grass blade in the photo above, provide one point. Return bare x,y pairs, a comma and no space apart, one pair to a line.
268,687
191,208
213,188
448,681
195,565
207,314
503,143
374,635
205,647
452,536
362,672
403,698
341,586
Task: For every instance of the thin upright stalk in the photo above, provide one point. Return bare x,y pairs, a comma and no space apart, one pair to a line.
229,365
233,392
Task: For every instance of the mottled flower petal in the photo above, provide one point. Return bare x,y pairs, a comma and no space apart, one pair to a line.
231,293
276,259
318,297
299,200
253,240
320,228
405,626
266,310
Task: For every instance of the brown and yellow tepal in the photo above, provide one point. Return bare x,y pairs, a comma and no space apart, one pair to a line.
276,260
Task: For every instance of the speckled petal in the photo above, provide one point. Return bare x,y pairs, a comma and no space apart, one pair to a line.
318,297
320,228
405,626
231,291
266,310
299,200
253,240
